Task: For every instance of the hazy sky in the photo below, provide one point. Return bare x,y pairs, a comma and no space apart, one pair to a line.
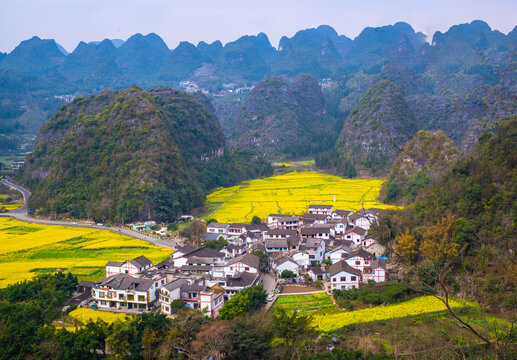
71,21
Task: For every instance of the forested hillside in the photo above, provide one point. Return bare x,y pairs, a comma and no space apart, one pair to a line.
421,162
131,154
460,234
282,119
461,82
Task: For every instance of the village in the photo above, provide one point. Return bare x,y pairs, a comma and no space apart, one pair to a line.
328,247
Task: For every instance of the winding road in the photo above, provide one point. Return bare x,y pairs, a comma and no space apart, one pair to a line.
21,215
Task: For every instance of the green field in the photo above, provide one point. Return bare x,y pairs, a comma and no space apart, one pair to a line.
292,193
310,304
29,249
326,316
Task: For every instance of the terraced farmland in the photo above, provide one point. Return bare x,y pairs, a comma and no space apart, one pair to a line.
28,249
292,193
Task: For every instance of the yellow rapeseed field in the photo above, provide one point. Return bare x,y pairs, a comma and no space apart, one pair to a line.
417,306
84,314
292,193
28,249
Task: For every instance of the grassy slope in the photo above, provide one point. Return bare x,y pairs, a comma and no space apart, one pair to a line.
292,193
26,249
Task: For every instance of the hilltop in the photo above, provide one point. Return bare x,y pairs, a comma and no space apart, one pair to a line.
131,154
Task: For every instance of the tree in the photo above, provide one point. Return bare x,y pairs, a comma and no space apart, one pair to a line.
172,227
327,262
212,340
216,244
406,247
295,329
194,232
212,220
256,220
243,302
177,305
181,333
439,242
287,274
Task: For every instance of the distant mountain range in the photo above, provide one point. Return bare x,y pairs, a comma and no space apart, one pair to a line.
461,82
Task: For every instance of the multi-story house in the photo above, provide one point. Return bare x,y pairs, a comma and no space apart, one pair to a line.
321,209
126,292
359,259
343,276
245,263
130,267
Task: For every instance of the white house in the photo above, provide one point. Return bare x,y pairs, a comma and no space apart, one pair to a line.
359,259
132,267
367,242
356,234
248,262
125,292
362,219
318,273
218,228
281,262
301,258
315,232
338,227
375,272
211,300
321,209
170,292
315,248
280,233
341,214
343,276
339,253
274,246
236,229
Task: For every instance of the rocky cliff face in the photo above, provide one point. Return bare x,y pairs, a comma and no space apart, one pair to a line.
380,123
279,118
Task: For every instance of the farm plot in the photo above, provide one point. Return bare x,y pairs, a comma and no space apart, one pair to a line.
413,307
310,304
292,193
29,249
84,314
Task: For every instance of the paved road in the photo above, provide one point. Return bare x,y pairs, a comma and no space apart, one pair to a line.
21,214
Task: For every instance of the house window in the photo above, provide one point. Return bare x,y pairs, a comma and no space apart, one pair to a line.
121,296
231,268
126,271
194,295
102,294
131,297
353,278
103,302
357,262
311,256
141,298
343,278
334,279
246,268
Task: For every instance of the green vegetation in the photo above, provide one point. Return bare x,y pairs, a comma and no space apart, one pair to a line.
243,302
104,169
374,294
287,274
381,119
457,233
428,154
217,244
310,304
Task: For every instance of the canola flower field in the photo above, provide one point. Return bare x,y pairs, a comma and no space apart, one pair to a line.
413,307
292,193
84,314
28,249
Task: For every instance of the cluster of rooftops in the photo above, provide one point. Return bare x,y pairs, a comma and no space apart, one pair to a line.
205,278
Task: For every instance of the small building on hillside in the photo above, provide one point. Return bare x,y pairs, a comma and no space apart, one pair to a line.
343,276
130,267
